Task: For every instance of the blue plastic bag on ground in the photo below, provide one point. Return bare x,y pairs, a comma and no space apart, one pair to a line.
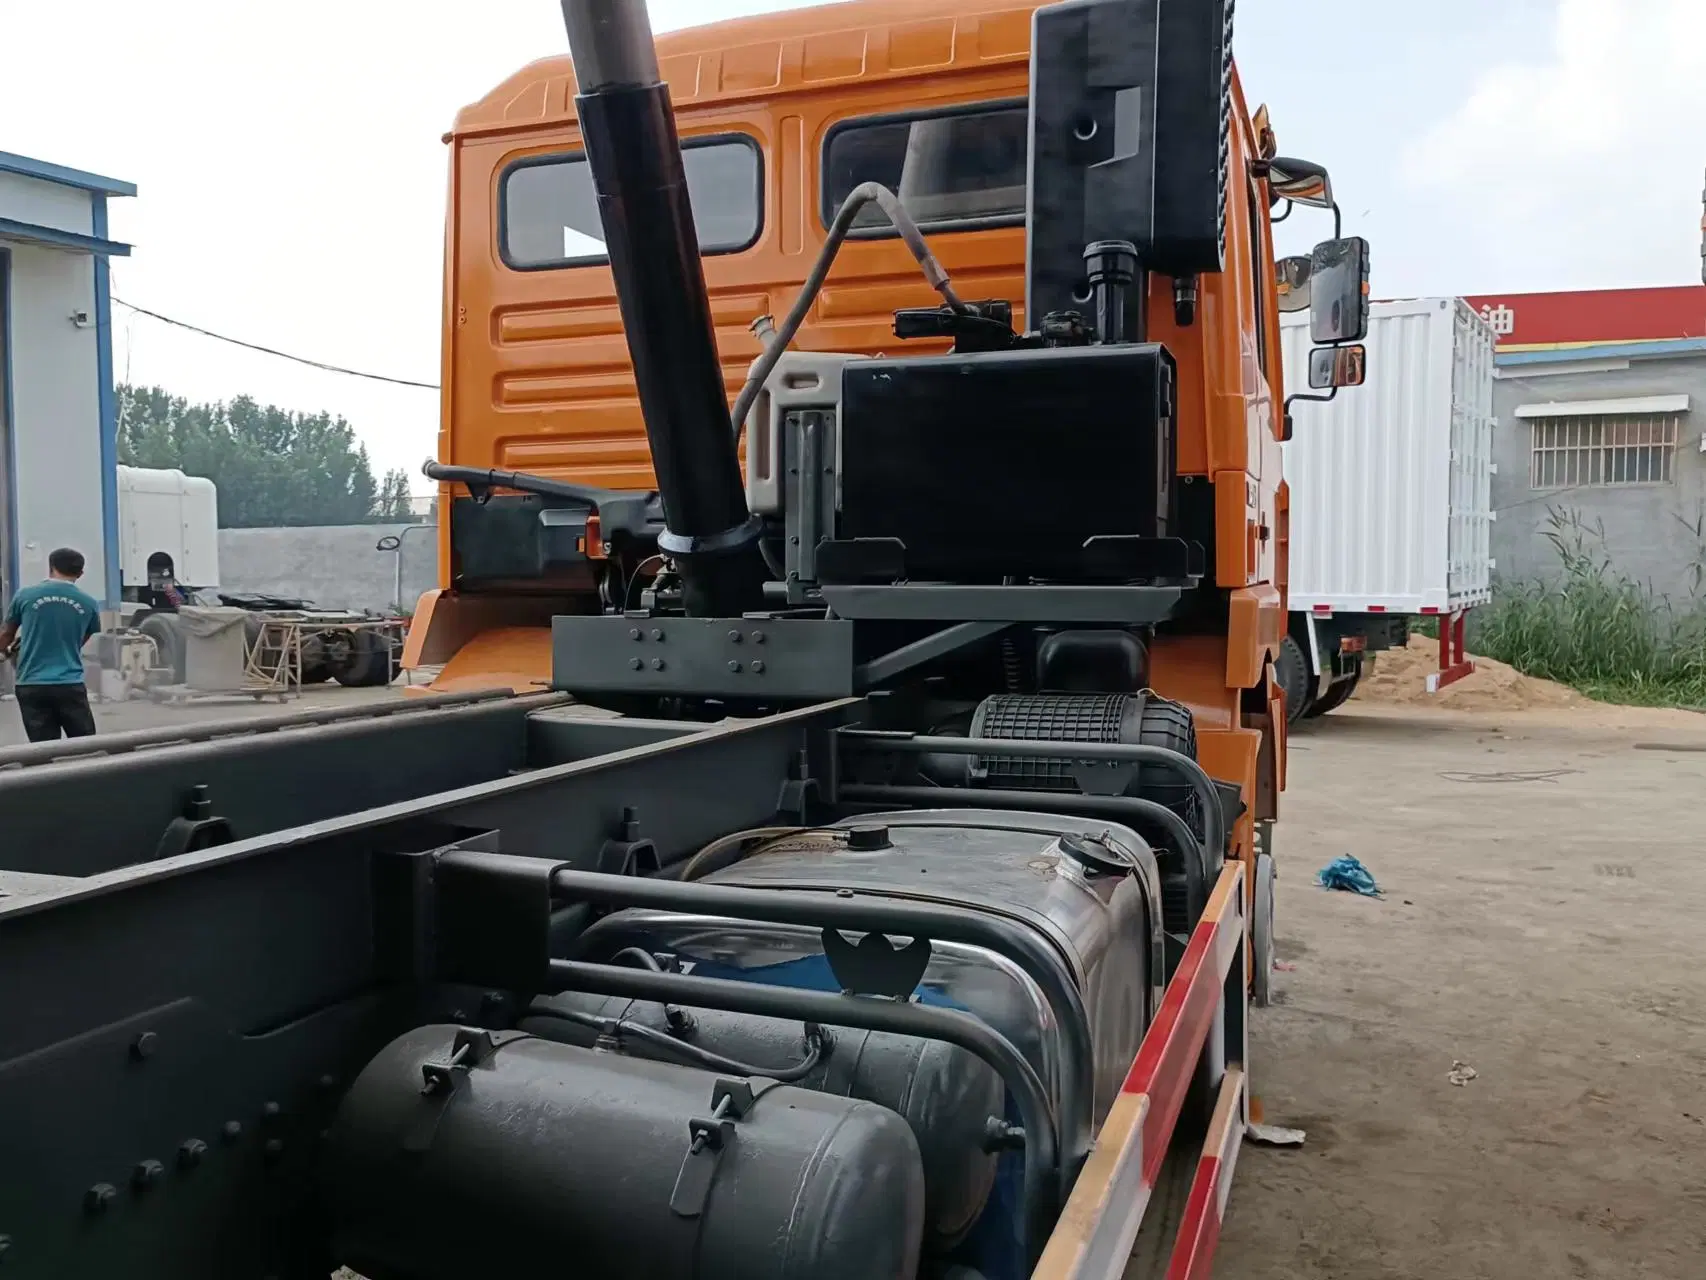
1345,872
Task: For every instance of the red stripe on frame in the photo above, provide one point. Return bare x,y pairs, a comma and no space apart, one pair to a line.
1199,1232
1164,1062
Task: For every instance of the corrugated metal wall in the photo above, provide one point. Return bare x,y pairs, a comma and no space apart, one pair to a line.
1374,477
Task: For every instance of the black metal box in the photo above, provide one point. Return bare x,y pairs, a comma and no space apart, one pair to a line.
1130,120
991,465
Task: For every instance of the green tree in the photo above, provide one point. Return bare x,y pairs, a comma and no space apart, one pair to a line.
396,503
272,466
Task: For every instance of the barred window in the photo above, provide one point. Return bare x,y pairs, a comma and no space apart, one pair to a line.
1570,453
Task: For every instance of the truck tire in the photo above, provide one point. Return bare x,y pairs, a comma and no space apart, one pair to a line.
1336,696
374,661
1262,934
1291,669
162,629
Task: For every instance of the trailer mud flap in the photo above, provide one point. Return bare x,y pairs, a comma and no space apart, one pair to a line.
1202,1020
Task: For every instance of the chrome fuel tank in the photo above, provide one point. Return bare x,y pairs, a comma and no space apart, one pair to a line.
1083,886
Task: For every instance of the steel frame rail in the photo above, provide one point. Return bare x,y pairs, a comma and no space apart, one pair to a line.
1203,1018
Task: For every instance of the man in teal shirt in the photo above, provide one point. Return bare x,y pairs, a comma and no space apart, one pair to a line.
48,625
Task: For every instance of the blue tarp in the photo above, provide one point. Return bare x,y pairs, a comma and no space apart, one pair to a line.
1345,872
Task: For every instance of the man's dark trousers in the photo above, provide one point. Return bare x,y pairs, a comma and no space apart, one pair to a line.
48,709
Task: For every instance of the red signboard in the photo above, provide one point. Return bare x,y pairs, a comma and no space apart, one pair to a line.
1595,316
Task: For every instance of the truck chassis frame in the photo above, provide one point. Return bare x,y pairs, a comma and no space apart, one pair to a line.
178,1029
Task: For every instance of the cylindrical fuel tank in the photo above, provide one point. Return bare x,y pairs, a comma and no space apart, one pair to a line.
539,1158
946,1095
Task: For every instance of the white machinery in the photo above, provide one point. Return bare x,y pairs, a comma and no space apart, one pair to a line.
1390,496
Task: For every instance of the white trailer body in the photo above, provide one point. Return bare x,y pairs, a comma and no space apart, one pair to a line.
167,512
1390,487
1391,481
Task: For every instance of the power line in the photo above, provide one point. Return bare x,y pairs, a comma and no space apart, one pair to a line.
270,351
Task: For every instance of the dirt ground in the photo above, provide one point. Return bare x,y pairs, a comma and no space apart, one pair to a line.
1541,923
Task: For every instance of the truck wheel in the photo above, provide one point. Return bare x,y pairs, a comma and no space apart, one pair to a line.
1336,696
162,629
1262,934
374,661
1291,669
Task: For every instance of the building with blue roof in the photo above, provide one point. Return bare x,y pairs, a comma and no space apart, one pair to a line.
58,411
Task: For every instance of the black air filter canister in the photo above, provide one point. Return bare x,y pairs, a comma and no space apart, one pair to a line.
1133,718
947,1096
456,1155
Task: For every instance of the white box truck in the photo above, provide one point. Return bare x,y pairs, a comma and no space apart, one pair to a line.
1390,496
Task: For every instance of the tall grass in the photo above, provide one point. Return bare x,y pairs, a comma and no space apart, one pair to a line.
1595,629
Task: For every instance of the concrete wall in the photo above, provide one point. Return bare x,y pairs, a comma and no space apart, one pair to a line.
56,473
335,566
1648,528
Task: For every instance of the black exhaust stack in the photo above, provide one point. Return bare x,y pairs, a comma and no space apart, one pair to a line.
634,155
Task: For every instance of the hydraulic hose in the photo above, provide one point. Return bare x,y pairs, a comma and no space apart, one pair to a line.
818,1045
863,194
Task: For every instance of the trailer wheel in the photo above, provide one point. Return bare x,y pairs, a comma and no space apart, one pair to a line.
1291,669
374,661
162,629
1336,696
1262,934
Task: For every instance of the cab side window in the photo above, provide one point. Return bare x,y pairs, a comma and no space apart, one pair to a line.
548,213
959,169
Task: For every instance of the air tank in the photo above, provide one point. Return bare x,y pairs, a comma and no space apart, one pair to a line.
457,1155
947,1096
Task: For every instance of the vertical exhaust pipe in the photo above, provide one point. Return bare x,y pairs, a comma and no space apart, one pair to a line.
634,156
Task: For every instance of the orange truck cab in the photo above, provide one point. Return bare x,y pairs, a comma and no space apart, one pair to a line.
780,117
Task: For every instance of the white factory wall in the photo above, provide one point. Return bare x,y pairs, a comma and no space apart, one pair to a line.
55,426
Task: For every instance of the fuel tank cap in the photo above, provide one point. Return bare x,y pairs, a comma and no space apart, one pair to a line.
868,838
1094,855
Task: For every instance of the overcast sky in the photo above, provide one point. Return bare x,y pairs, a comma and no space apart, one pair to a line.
292,175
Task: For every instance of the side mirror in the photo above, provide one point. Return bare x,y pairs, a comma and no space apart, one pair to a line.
1291,282
1333,367
390,542
1300,181
1338,291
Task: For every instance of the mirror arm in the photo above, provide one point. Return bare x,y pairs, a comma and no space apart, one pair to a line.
1285,409
1338,222
1289,206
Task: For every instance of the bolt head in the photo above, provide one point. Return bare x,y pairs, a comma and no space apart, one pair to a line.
758,667
657,634
270,1110
190,1153
735,637
634,633
758,637
231,1130
273,1150
657,664
98,1197
144,1045
5,1247
734,666
146,1174
636,664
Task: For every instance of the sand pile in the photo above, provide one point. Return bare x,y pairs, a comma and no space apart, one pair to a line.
1400,677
